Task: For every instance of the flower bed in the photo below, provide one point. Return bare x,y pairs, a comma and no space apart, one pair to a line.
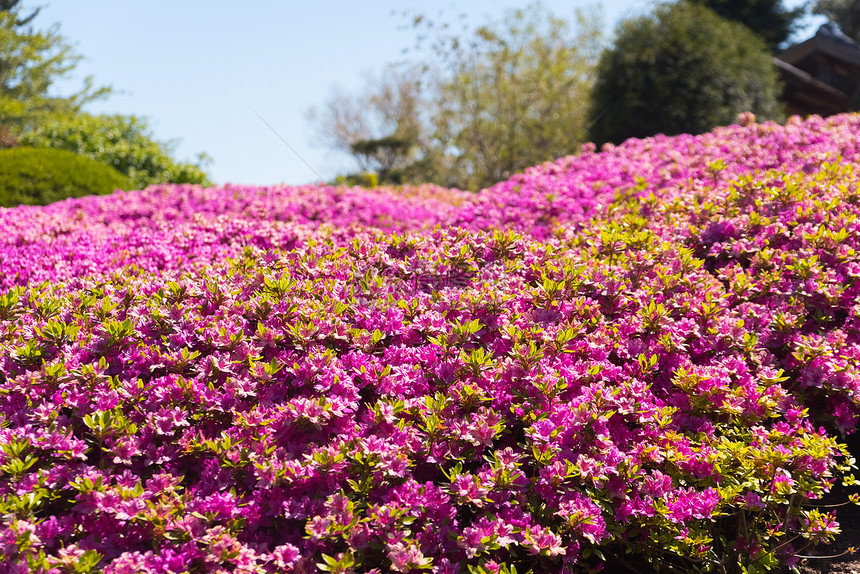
644,354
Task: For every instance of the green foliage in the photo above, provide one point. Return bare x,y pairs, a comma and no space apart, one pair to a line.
363,179
123,142
484,104
843,13
386,152
12,6
31,62
516,95
681,70
769,19
41,176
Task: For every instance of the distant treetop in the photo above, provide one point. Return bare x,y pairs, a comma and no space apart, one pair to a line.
843,13
768,18
683,69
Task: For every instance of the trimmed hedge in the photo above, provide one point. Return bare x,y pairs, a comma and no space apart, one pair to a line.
41,176
124,143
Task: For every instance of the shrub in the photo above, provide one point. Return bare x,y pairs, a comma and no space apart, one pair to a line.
124,143
291,379
364,179
41,176
682,70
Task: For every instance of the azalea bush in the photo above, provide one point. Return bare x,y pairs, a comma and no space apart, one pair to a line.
646,354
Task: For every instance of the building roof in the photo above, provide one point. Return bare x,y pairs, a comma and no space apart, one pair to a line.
829,40
821,75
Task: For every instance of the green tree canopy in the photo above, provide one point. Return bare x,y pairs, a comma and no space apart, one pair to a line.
681,69
31,62
768,18
12,6
843,13
31,112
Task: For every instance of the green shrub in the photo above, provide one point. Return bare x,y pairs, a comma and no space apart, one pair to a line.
124,143
363,179
41,176
683,69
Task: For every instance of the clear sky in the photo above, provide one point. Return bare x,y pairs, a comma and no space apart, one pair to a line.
198,69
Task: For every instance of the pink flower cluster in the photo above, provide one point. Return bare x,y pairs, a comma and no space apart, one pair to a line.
646,353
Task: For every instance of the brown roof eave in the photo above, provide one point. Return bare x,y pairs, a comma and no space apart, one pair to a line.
831,47
797,76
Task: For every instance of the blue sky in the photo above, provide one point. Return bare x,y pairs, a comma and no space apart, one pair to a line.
199,69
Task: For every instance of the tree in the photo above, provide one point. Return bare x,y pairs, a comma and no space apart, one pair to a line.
843,13
479,106
30,63
124,143
30,113
382,128
767,18
516,95
682,69
12,6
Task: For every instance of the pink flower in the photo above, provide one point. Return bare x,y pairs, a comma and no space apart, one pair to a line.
542,430
584,516
542,541
656,485
318,527
405,557
753,500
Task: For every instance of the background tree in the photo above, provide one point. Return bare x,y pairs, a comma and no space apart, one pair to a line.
31,62
12,5
682,69
843,13
480,105
31,113
124,143
382,129
768,18
515,96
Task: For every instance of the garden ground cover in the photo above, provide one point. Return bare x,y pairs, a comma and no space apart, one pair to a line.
647,353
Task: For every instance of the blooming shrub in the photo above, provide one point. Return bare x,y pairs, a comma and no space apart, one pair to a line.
645,354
